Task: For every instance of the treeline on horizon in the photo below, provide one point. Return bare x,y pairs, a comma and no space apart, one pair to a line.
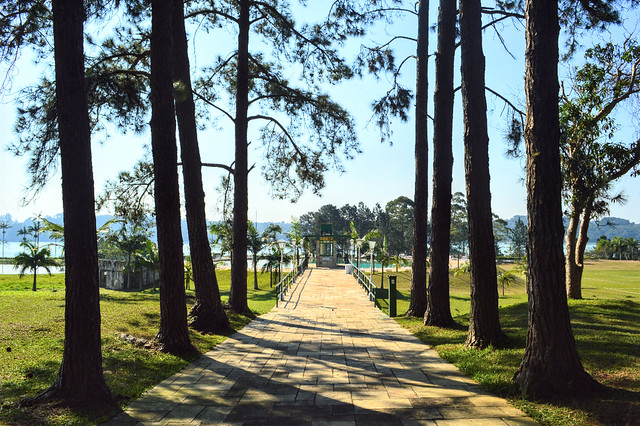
363,216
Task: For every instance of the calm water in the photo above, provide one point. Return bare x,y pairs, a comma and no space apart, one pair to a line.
13,248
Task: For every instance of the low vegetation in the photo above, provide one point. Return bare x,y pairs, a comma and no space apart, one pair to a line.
32,338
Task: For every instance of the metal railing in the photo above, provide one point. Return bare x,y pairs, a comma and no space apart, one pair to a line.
283,286
365,282
376,294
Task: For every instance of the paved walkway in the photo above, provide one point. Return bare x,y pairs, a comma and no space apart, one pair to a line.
326,355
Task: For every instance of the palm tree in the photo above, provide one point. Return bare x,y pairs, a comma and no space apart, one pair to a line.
398,261
56,231
4,225
36,228
295,238
617,243
506,278
633,245
522,268
128,241
272,260
148,257
223,232
256,242
461,270
33,258
23,232
384,258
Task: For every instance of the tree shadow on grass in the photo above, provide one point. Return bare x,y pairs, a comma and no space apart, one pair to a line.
128,297
19,407
607,338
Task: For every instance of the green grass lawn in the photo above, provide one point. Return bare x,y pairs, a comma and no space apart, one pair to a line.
606,326
32,337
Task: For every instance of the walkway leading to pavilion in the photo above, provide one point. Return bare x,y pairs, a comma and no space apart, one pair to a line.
326,355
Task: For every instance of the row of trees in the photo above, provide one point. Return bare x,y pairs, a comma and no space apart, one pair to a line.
616,248
551,364
394,223
119,78
136,63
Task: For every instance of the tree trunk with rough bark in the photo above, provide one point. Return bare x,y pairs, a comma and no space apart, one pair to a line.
80,378
484,318
418,302
551,364
207,314
173,334
583,239
238,291
438,311
574,290
255,272
576,243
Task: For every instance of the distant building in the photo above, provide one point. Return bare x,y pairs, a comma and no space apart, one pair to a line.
113,276
326,253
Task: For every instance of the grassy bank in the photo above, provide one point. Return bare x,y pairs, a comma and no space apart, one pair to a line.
32,338
606,326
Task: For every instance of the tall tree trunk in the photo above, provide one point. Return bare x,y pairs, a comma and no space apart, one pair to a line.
438,311
207,314
238,291
173,334
128,281
80,377
418,302
551,364
35,273
583,239
574,289
484,318
255,272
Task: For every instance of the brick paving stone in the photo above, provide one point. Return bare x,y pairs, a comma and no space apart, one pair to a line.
326,355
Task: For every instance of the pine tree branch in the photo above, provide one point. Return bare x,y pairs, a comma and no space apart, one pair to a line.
506,101
505,13
217,166
133,73
382,46
211,104
198,12
138,56
274,13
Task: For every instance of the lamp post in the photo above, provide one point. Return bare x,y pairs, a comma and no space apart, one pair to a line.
353,244
294,241
372,245
281,244
359,242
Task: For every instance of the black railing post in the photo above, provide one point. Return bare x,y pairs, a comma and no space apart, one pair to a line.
392,295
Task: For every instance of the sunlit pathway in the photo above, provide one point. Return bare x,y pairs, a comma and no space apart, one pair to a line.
325,355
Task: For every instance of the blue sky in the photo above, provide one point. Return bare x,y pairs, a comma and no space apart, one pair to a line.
380,174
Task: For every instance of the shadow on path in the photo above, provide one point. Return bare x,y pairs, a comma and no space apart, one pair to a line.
327,355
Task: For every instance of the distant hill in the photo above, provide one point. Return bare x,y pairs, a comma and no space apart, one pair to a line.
14,226
613,227
609,227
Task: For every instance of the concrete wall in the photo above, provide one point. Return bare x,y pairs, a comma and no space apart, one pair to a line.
114,277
